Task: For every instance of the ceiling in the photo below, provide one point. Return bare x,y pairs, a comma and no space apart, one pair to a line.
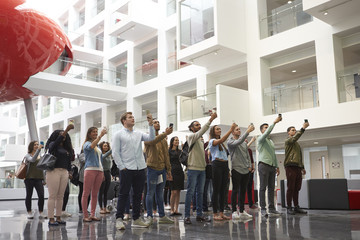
337,10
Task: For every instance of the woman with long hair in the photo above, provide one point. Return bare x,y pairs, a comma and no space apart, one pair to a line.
106,160
93,174
220,169
177,184
34,179
59,145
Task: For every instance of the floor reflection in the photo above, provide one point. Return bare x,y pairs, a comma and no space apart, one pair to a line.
316,225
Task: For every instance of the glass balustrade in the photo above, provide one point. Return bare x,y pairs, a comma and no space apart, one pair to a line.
11,183
98,8
147,71
293,96
171,7
283,18
45,111
349,85
197,107
197,21
85,71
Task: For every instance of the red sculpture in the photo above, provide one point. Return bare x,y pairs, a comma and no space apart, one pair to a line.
30,42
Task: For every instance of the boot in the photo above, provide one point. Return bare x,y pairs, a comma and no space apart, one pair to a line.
290,211
297,209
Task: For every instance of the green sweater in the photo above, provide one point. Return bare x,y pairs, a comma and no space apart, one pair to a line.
32,171
196,160
293,155
266,148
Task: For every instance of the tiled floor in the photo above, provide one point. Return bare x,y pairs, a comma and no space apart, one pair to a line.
318,224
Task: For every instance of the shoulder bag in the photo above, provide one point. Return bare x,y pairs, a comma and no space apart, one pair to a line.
22,170
47,161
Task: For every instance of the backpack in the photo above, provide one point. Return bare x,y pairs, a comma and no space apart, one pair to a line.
184,155
75,175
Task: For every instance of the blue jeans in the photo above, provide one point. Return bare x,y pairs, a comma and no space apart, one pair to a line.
155,189
196,179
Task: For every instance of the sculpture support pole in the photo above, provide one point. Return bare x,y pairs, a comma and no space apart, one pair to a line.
31,119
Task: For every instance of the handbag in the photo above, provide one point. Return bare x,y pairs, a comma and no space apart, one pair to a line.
47,162
22,170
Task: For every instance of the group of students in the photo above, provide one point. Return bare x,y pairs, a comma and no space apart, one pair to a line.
162,163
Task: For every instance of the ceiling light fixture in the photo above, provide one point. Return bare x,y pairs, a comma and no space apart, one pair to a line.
316,143
294,71
326,11
289,2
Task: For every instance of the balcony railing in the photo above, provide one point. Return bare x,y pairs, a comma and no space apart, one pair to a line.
283,18
85,71
349,85
45,112
293,96
197,21
98,8
146,71
198,106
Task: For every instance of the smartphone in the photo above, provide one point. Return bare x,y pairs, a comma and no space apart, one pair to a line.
251,124
305,120
280,115
71,121
42,143
171,125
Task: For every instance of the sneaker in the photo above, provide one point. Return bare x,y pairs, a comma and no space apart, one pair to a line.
235,215
119,224
290,211
42,216
297,209
165,220
227,208
203,219
274,213
139,224
66,214
30,215
167,207
149,220
187,220
244,216
126,217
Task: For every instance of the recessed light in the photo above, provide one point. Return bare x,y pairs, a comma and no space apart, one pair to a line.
326,13
294,71
289,2
316,143
215,53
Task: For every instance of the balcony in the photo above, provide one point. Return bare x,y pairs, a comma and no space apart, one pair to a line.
349,85
83,81
220,100
208,35
283,18
332,11
134,21
292,96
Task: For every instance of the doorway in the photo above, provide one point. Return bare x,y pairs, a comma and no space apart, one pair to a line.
319,165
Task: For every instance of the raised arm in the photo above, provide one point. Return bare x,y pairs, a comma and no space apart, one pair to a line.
30,158
160,137
223,138
97,140
105,155
195,136
298,134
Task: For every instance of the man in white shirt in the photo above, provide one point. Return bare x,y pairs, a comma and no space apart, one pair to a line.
128,155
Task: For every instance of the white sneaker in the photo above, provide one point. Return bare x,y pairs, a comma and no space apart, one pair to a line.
66,214
167,207
244,216
235,216
30,215
119,224
42,216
